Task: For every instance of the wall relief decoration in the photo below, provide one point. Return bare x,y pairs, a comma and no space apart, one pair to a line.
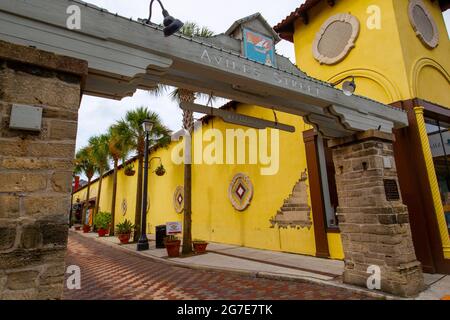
423,23
178,199
336,38
240,192
124,207
295,212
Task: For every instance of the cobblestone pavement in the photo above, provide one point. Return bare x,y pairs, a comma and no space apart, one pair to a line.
110,273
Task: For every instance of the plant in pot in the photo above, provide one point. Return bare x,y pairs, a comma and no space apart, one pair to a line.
129,169
102,221
124,230
86,228
160,171
199,246
172,246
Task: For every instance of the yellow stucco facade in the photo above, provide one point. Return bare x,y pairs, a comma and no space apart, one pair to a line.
213,216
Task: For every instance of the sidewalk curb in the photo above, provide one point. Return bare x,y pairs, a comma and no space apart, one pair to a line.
253,274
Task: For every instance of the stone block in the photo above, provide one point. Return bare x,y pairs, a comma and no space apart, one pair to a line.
31,237
13,147
9,206
27,294
53,233
50,292
22,280
45,88
51,150
13,181
53,274
29,163
46,204
62,181
7,236
63,130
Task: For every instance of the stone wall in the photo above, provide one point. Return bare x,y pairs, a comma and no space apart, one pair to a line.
374,230
36,170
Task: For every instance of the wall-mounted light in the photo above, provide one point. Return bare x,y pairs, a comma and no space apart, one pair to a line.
171,25
348,87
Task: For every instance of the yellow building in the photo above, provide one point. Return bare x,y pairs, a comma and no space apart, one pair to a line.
397,52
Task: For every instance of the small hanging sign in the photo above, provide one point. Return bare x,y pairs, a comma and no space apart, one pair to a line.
173,228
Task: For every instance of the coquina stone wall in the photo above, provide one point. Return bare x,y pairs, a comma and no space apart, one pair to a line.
374,224
36,170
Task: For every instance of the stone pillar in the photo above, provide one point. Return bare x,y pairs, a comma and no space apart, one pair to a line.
373,220
36,170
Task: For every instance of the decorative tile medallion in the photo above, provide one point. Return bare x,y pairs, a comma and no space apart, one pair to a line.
178,199
124,207
240,192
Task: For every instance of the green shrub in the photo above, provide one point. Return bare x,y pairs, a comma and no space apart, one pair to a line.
125,227
102,220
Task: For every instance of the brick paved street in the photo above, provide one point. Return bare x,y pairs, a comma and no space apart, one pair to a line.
109,273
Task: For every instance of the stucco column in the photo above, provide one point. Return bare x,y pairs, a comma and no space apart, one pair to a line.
36,170
373,220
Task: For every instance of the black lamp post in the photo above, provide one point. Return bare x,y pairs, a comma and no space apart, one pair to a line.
143,241
171,25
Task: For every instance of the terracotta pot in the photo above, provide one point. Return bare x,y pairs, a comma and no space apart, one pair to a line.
102,232
200,247
86,228
78,228
124,238
130,173
173,248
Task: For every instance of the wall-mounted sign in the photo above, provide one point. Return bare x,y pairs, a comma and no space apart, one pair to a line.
173,228
178,199
391,190
240,191
259,48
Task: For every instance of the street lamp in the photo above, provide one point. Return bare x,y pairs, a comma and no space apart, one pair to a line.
349,87
143,240
171,25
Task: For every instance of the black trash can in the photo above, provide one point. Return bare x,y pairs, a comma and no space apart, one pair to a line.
160,235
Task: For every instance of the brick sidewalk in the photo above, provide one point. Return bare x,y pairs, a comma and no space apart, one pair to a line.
109,273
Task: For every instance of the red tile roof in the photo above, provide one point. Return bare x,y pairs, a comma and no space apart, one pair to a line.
286,27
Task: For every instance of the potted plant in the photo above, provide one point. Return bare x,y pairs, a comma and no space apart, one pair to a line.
160,171
172,246
102,221
86,228
199,246
123,231
129,169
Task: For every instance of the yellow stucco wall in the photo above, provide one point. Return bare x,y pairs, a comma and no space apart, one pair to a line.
214,218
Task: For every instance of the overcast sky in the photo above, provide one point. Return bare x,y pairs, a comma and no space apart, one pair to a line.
97,114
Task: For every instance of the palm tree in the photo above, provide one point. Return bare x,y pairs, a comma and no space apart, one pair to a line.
130,128
84,164
100,155
190,29
118,150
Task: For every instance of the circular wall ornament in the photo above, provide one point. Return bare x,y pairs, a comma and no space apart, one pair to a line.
124,207
336,38
178,199
240,191
423,23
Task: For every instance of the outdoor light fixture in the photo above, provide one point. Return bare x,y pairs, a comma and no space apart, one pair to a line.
148,126
143,240
349,87
171,25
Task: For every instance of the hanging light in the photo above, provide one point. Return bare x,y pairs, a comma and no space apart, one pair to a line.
348,87
171,25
